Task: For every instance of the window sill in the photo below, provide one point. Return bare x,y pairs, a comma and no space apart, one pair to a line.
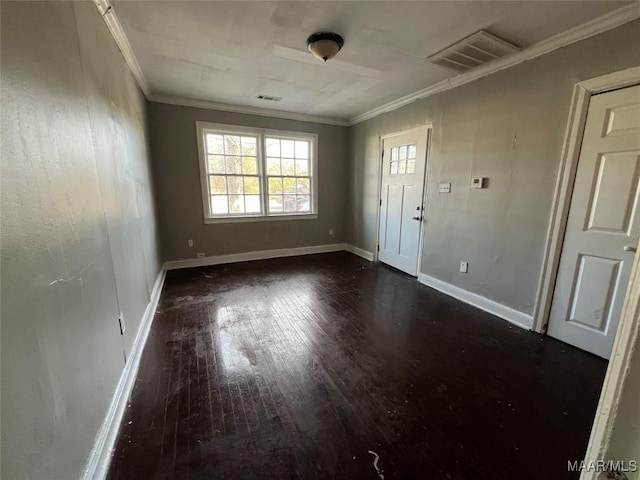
271,218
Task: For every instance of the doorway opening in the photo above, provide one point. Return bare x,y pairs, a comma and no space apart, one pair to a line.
402,198
584,275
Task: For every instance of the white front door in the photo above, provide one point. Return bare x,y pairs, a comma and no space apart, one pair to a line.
401,209
603,227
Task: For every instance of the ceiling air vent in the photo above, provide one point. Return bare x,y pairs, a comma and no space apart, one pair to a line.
269,98
475,50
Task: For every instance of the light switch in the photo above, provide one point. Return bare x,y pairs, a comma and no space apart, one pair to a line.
444,187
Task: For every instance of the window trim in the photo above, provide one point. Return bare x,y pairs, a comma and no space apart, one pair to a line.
261,133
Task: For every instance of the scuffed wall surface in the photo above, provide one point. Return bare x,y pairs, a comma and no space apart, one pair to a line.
509,127
117,114
172,130
78,232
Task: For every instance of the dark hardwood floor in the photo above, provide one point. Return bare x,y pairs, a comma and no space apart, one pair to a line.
316,366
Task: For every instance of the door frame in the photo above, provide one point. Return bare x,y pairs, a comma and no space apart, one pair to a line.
582,93
428,126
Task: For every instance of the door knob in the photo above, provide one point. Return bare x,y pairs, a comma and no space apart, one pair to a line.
417,217
629,248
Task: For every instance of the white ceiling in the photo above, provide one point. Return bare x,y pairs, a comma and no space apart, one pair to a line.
230,51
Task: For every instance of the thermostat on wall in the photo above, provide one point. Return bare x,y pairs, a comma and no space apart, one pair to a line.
478,182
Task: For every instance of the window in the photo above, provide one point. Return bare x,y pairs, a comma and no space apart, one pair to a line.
403,160
251,174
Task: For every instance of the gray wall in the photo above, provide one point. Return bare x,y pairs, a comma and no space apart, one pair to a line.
78,232
172,130
509,127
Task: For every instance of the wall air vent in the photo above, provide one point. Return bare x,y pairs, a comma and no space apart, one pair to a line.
475,50
269,98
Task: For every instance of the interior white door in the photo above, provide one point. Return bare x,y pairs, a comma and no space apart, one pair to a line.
603,226
401,208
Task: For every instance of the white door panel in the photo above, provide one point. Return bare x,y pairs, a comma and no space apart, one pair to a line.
391,240
612,204
603,227
403,168
410,233
596,284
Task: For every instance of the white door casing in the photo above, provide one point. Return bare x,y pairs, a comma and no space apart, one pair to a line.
401,199
603,226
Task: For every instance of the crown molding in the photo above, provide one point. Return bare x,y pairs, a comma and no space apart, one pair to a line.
117,32
262,112
115,27
598,25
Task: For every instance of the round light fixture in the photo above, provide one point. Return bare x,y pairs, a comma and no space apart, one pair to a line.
325,45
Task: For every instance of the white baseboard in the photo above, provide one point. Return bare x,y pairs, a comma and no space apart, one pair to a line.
257,255
360,252
507,313
98,464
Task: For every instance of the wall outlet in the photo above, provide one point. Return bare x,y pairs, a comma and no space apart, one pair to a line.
331,232
190,243
200,254
444,187
267,238
121,323
464,267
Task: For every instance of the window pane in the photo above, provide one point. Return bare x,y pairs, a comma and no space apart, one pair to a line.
302,167
402,167
290,203
252,203
289,185
411,166
219,204
275,203
288,148
218,184
251,185
288,166
411,151
236,203
303,203
234,165
235,185
215,144
249,165
394,168
232,145
273,166
394,154
216,163
275,185
403,152
303,186
273,147
302,149
249,146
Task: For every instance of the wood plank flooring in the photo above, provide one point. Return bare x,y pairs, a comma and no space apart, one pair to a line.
316,366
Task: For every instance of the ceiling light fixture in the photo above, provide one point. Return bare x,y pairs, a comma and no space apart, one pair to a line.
325,45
